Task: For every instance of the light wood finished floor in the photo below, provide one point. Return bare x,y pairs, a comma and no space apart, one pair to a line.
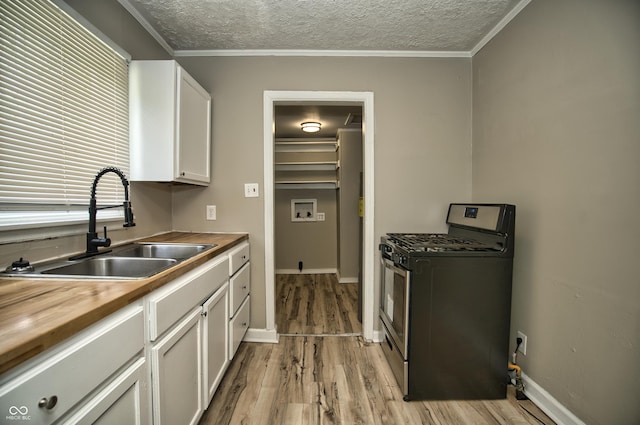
327,379
314,304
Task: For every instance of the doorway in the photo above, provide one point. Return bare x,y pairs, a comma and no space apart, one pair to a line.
365,100
317,224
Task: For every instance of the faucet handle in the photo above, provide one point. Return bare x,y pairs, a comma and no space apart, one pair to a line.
128,215
104,241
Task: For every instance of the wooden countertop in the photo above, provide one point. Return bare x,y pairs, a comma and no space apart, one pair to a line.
37,313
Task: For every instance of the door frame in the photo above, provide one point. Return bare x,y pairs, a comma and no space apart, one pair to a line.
366,100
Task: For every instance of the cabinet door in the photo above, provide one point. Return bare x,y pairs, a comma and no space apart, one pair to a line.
123,401
177,373
215,341
194,128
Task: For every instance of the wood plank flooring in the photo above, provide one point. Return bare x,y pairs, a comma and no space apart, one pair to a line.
313,304
318,380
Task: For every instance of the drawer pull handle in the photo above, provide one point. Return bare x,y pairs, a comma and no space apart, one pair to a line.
244,324
244,287
48,403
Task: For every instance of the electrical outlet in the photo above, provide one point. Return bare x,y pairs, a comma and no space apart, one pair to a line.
320,216
211,212
251,190
523,347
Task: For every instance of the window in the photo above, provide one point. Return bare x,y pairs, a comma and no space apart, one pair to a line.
63,116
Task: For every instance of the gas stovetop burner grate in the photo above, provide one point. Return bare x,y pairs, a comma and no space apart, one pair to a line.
435,242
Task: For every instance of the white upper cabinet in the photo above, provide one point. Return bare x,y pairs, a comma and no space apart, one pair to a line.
170,124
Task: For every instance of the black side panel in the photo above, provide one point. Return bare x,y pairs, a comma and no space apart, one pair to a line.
459,336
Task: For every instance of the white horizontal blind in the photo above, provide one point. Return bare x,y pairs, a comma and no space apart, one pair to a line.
64,109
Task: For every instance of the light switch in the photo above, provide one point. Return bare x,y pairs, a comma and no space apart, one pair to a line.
251,190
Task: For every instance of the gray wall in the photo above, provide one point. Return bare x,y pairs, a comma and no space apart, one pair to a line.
315,242
556,130
422,133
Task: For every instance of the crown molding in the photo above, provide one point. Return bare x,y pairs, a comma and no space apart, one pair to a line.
147,26
327,53
499,26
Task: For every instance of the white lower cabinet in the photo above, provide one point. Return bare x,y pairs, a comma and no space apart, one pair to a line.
123,401
215,341
83,377
238,326
189,355
239,299
177,373
158,361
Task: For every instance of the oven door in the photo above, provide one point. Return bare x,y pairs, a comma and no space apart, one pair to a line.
394,303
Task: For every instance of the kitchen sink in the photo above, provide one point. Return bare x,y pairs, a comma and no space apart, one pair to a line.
132,261
114,267
162,250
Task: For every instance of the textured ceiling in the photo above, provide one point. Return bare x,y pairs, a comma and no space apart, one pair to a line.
323,25
333,27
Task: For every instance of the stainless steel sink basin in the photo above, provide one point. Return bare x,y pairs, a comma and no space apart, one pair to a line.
178,251
132,261
114,267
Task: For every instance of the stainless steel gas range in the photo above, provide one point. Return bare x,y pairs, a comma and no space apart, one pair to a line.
446,304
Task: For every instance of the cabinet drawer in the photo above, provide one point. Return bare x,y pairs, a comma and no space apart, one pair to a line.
237,257
238,326
71,372
170,303
240,287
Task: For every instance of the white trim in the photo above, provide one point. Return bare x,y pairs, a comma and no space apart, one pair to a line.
499,26
368,131
268,336
548,404
306,271
324,53
269,218
348,280
146,25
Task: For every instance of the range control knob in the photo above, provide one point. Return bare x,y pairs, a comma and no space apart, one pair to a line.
399,258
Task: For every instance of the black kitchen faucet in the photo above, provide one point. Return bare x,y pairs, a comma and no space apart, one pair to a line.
93,241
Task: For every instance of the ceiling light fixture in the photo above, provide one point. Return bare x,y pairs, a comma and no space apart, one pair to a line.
310,127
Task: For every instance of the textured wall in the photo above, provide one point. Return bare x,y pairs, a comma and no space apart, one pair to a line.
556,102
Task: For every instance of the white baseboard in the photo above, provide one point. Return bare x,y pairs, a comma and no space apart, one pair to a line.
268,336
306,271
378,336
549,405
348,280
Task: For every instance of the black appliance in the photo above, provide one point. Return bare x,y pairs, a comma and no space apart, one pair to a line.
446,305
